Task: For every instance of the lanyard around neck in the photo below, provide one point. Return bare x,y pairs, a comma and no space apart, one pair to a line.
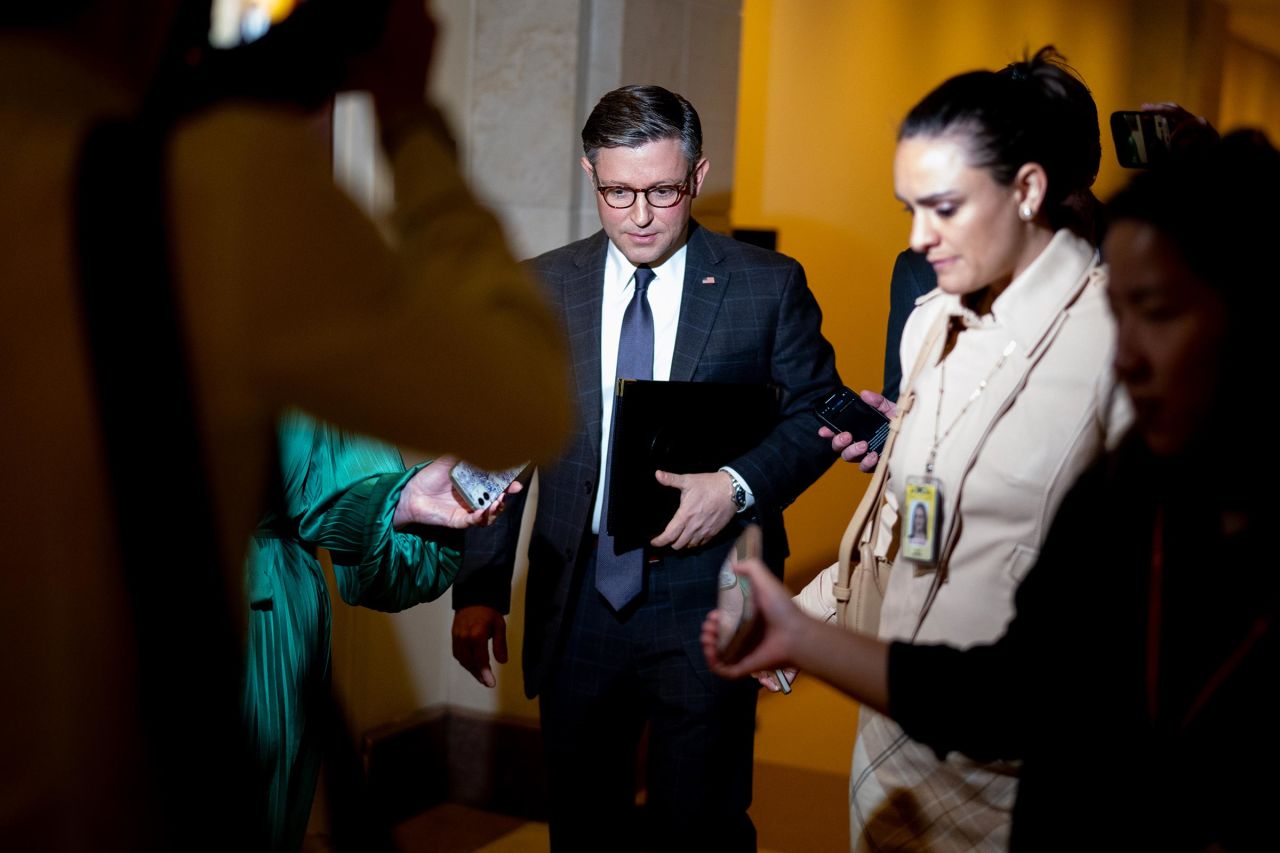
974,395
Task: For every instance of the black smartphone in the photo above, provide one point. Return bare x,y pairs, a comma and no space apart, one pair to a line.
845,411
1142,138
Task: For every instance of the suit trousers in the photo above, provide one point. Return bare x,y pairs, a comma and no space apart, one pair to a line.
618,672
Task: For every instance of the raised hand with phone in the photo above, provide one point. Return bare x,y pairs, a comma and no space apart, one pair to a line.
739,624
784,638
856,424
1149,137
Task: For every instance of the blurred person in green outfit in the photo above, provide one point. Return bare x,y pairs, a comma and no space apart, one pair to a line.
394,537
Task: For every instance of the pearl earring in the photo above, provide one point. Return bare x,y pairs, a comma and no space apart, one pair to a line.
1026,212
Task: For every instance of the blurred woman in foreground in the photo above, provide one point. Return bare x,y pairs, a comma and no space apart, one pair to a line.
1139,714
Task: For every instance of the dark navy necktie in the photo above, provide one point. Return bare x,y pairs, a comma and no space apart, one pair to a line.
620,577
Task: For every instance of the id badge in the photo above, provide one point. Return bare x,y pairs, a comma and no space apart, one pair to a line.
921,520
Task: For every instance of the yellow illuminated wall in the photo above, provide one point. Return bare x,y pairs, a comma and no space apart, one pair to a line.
1251,88
823,85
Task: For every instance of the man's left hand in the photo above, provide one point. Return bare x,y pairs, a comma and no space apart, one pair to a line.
706,506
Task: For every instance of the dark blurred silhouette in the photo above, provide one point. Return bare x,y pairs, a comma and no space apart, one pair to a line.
178,269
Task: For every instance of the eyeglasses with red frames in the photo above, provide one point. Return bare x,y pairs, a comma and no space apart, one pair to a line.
662,195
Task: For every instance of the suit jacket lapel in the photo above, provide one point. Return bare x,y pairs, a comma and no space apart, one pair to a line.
582,293
705,281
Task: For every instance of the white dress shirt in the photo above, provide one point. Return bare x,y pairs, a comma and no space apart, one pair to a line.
665,292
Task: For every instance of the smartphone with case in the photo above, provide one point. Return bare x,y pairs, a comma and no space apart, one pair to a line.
739,626
1142,139
845,411
479,488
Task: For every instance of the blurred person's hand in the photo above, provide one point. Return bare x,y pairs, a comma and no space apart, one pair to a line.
473,628
1186,130
395,70
783,623
768,678
430,498
856,451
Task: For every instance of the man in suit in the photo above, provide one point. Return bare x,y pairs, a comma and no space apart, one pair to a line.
611,640
913,277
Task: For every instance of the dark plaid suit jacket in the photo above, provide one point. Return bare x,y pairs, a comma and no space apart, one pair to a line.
758,322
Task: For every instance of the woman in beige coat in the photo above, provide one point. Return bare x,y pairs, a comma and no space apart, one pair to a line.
1008,361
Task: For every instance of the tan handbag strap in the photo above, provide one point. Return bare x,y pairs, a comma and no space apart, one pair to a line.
873,498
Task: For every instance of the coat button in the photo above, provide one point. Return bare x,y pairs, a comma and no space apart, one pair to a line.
586,486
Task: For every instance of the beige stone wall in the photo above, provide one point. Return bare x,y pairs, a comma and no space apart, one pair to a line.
691,47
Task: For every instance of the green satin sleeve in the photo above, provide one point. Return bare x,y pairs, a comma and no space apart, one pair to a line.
375,565
337,491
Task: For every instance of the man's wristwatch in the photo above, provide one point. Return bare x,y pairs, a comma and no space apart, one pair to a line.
739,494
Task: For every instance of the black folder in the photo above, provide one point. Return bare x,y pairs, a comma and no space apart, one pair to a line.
680,427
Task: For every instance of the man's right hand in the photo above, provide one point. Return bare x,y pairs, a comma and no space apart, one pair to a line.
473,627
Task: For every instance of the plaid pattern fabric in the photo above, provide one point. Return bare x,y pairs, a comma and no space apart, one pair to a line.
620,671
902,798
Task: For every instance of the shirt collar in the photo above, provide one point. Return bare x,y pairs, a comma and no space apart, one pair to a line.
1032,302
619,270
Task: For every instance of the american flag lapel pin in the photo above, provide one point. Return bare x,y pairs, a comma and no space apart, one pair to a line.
709,280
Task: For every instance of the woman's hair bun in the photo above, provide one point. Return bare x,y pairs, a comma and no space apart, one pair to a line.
1037,110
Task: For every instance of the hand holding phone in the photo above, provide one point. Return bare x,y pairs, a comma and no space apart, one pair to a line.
1143,138
739,624
431,498
737,629
846,411
479,488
